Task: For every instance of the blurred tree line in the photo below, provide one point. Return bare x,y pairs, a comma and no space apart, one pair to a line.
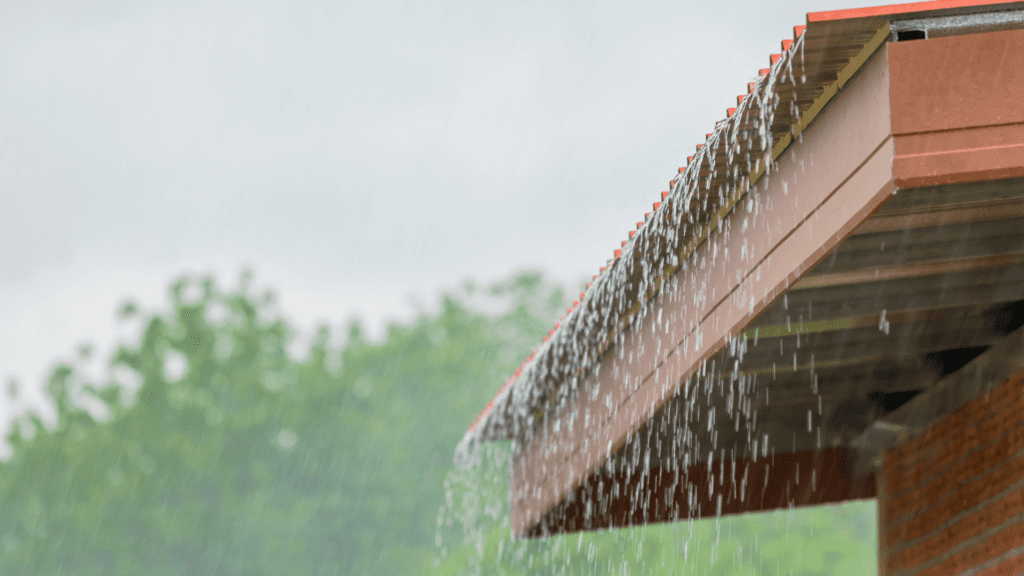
212,450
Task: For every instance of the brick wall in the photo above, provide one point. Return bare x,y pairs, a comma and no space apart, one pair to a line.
952,500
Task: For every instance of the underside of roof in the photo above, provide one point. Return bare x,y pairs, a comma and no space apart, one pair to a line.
832,254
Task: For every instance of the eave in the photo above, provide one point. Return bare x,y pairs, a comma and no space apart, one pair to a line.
833,166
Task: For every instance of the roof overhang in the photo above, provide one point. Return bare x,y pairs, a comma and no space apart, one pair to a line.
783,296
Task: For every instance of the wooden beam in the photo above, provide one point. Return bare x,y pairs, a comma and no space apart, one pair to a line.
933,268
977,289
988,370
718,488
943,215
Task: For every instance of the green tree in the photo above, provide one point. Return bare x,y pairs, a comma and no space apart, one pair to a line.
233,458
213,449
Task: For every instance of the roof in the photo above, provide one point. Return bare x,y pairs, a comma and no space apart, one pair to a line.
918,9
799,82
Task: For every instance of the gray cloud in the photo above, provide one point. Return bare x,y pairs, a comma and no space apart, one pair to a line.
352,152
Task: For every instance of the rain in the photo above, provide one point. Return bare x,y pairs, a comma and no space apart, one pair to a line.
454,288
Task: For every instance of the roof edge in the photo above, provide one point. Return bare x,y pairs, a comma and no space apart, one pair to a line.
916,8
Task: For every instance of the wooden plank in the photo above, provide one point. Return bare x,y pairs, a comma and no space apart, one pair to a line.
940,195
967,212
736,486
821,349
978,289
894,317
884,274
845,377
777,408
923,245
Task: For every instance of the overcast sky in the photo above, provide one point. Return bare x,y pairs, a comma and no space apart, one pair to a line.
352,153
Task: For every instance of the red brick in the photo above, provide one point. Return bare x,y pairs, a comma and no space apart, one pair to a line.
987,549
962,461
970,527
906,475
976,466
1009,567
959,499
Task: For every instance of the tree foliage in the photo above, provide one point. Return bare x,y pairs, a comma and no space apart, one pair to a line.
216,448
